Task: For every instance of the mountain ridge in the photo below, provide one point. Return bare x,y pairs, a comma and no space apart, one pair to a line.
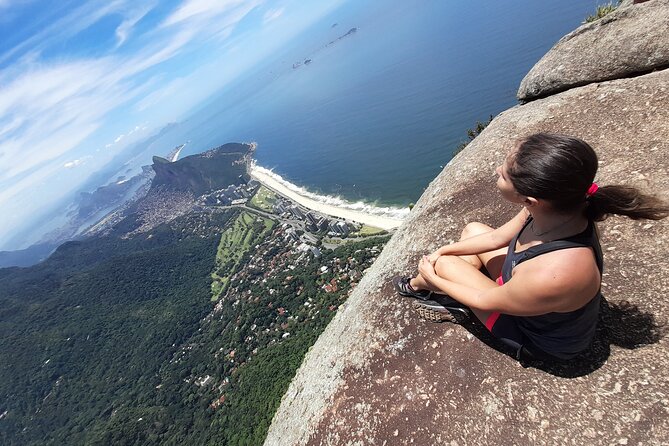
217,168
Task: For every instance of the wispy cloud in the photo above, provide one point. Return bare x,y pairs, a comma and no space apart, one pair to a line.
63,28
48,107
56,105
7,4
219,18
203,10
161,94
76,163
127,25
272,14
7,194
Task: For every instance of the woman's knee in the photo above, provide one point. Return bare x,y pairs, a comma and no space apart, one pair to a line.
473,229
444,264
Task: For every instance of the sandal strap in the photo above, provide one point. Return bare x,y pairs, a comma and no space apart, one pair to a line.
403,286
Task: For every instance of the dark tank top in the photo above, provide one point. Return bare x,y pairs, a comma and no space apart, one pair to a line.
560,334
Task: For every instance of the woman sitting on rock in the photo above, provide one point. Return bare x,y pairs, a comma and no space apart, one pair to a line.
546,262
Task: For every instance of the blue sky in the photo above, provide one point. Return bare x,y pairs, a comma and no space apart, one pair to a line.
81,80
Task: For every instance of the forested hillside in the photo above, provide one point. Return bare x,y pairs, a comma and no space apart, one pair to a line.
116,340
86,332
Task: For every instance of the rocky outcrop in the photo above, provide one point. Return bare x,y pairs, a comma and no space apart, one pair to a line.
212,170
627,42
379,375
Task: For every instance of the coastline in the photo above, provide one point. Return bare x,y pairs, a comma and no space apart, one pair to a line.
378,221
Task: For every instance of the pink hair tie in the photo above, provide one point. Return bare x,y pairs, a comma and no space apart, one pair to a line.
592,190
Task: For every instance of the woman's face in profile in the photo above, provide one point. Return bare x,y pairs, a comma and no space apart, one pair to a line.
504,184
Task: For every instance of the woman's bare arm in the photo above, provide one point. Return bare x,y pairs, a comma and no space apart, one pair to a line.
489,241
528,298
559,281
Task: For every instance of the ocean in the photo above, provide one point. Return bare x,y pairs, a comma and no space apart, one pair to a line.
375,115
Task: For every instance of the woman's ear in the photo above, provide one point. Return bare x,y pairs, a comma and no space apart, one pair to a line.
531,202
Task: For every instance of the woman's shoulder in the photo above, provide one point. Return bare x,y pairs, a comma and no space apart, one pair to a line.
569,264
566,272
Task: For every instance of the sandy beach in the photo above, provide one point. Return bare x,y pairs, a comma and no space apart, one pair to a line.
324,208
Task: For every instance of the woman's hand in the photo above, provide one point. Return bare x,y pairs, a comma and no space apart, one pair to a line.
434,257
426,269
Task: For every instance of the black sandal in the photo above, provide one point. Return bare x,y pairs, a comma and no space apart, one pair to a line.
403,287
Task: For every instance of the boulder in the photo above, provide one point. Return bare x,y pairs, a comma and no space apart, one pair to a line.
380,375
627,42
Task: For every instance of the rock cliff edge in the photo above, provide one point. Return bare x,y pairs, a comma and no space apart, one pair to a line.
380,375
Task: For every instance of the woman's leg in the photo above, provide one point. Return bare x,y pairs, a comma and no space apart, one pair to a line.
502,326
458,270
492,261
467,269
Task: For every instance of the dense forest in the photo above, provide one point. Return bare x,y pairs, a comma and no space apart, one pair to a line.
116,340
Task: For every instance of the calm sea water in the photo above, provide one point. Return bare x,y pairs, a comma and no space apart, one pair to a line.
375,116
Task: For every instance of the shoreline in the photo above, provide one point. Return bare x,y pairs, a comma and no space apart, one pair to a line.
378,221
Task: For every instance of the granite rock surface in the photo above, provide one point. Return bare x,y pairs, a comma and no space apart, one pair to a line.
630,41
380,375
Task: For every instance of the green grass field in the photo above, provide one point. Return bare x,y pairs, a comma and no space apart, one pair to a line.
264,200
366,231
243,233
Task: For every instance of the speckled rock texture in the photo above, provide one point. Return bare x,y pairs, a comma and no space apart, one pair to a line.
629,41
379,375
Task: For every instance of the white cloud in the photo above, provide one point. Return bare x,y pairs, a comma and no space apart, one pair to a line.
76,163
14,193
48,109
126,138
158,53
271,15
156,96
11,125
7,4
65,27
125,28
199,10
217,19
57,107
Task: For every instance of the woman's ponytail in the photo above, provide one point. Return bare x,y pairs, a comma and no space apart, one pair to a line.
561,169
625,200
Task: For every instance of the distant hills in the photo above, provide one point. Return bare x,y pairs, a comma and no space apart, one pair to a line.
107,205
26,257
66,210
215,169
177,185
